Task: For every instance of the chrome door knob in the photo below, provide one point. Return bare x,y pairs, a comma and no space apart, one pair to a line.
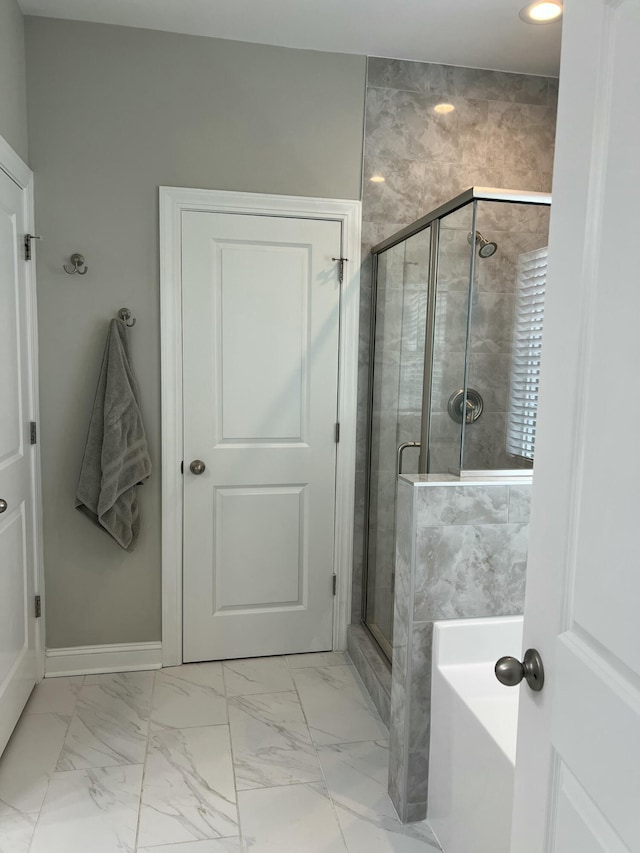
3,505
510,671
197,466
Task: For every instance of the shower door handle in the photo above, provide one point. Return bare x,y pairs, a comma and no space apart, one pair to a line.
401,450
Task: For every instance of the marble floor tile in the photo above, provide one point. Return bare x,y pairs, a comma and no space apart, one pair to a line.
55,696
271,741
111,722
90,810
188,792
337,706
257,675
29,761
139,683
294,817
16,832
176,786
318,659
189,696
218,845
366,836
356,776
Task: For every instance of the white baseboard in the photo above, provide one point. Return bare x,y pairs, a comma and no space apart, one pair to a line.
85,660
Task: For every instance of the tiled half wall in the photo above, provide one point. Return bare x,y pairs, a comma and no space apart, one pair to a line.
461,552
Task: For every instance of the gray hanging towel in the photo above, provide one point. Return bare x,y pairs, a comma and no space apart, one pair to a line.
116,456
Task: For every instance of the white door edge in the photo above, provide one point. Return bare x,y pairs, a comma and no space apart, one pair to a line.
173,202
13,165
556,800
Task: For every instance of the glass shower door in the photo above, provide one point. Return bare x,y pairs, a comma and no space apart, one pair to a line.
396,412
450,341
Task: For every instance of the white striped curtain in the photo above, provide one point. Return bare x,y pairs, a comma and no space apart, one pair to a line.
531,279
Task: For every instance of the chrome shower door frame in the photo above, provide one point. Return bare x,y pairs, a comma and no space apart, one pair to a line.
432,219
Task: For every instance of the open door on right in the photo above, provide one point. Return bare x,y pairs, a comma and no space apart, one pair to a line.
578,760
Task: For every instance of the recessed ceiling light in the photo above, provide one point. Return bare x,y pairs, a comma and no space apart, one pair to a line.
542,12
443,108
377,179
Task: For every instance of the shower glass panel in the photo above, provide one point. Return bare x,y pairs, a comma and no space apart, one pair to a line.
507,302
396,412
457,311
450,341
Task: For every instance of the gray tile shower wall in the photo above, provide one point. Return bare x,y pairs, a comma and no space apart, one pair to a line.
460,553
501,134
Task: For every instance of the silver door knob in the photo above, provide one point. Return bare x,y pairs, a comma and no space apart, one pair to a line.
3,505
510,671
197,466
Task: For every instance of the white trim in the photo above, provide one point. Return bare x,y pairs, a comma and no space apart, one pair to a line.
21,174
14,166
36,468
173,202
122,657
517,196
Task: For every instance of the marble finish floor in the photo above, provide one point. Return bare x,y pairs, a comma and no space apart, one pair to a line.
262,755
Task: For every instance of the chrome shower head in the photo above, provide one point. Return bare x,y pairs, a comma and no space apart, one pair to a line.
486,248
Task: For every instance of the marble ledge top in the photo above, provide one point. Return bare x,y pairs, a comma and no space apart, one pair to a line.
500,479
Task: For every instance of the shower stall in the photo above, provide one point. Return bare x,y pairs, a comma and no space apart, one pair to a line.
457,312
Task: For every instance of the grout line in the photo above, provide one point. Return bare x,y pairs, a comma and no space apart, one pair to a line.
55,765
323,666
324,778
165,730
285,785
24,815
261,693
451,93
96,767
144,761
233,763
382,742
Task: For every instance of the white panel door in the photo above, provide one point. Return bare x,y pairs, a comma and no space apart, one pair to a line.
18,664
261,313
578,760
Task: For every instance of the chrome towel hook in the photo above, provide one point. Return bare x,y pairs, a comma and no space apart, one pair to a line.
125,316
77,261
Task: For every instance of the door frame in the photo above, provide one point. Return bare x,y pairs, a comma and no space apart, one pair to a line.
13,165
174,201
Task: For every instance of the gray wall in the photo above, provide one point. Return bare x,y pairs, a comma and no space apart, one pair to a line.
501,134
114,113
13,85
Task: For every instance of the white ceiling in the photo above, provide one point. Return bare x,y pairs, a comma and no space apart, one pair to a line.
475,33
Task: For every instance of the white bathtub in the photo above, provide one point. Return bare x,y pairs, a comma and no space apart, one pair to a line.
473,735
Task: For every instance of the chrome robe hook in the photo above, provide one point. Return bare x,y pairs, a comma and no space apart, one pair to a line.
77,261
125,316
